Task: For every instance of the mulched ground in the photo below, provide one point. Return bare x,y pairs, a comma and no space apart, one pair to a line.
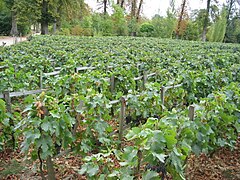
223,165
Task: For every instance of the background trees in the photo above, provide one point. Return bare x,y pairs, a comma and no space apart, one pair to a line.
122,17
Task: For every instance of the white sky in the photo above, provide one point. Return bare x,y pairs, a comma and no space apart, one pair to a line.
152,7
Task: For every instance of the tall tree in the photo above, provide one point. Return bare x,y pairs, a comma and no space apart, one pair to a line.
11,4
136,7
104,3
218,29
139,10
120,3
182,20
44,17
133,8
172,6
230,9
206,21
69,9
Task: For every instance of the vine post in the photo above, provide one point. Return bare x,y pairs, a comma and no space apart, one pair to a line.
191,112
7,97
163,90
121,122
112,88
41,80
144,79
112,83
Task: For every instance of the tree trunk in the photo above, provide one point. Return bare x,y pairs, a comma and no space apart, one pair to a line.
133,16
14,30
122,3
205,24
133,9
230,9
105,7
180,18
59,18
139,10
230,6
44,18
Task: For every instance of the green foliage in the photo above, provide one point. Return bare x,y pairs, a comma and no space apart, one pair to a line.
192,31
79,31
5,22
218,29
133,26
164,26
146,30
208,72
2,5
48,123
119,21
233,31
102,25
2,119
64,31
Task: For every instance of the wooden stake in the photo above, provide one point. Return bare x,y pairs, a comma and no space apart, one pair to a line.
144,79
112,82
41,80
121,121
6,96
163,90
191,112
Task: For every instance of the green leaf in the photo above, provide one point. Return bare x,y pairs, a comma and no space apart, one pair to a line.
55,114
93,170
170,140
133,133
83,169
161,157
196,149
150,175
45,126
114,174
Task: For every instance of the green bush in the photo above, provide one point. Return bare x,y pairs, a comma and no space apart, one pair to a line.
79,31
64,31
146,29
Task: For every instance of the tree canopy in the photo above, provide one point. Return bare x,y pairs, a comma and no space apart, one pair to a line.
217,22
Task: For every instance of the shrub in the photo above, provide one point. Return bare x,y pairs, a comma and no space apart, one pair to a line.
79,31
146,29
64,31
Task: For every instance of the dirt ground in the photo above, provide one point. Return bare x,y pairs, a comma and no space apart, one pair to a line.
7,40
223,165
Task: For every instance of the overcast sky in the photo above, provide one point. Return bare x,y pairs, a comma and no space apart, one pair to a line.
152,7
